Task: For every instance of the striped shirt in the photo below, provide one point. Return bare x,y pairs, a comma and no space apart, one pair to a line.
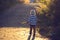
32,20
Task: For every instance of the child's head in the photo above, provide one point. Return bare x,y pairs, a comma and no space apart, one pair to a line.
32,12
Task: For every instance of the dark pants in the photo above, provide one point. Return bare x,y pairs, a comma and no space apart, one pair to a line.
32,28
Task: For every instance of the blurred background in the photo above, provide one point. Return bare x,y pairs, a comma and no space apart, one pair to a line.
14,13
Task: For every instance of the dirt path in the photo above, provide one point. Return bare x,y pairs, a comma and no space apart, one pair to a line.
9,33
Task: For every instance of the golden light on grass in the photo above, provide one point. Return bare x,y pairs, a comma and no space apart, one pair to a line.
10,33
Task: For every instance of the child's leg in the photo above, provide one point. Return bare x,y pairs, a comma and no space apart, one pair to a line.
30,32
30,29
34,31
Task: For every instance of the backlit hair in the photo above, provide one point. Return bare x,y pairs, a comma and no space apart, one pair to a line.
32,12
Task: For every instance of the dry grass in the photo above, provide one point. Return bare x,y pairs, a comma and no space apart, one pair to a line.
10,33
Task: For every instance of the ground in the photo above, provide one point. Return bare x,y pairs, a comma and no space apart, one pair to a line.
14,33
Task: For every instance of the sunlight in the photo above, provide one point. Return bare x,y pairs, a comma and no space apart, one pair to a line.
26,1
44,4
10,33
